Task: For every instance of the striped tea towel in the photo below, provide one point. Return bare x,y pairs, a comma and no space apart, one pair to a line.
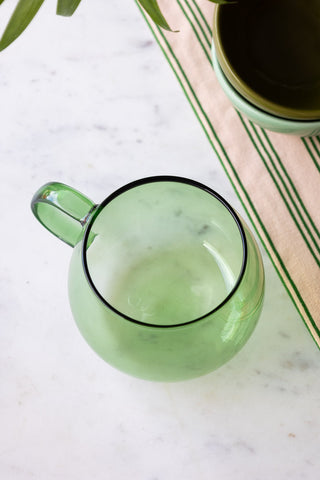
276,176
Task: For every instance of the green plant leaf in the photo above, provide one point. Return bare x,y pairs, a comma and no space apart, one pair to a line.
20,19
67,7
153,10
27,9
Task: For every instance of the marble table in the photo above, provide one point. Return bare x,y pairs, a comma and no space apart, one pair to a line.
91,102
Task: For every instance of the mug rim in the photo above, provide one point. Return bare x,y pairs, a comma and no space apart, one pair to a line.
158,179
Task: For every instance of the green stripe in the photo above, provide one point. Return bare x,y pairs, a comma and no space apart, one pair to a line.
194,31
208,40
292,185
311,154
280,192
271,245
315,146
203,17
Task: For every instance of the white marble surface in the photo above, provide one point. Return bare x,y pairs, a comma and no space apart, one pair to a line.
90,101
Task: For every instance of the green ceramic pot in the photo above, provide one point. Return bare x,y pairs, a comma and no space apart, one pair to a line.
269,50
258,116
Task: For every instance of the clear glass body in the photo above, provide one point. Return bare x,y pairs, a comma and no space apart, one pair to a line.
166,282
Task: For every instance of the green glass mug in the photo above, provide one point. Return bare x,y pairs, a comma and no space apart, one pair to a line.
166,282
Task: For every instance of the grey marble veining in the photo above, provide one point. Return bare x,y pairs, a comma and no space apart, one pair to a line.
90,101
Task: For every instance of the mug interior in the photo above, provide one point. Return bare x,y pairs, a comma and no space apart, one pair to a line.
270,52
164,251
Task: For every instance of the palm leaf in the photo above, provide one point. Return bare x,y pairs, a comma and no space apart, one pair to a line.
67,7
20,19
153,10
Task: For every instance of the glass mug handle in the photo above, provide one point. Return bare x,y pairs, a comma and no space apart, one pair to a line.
62,210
